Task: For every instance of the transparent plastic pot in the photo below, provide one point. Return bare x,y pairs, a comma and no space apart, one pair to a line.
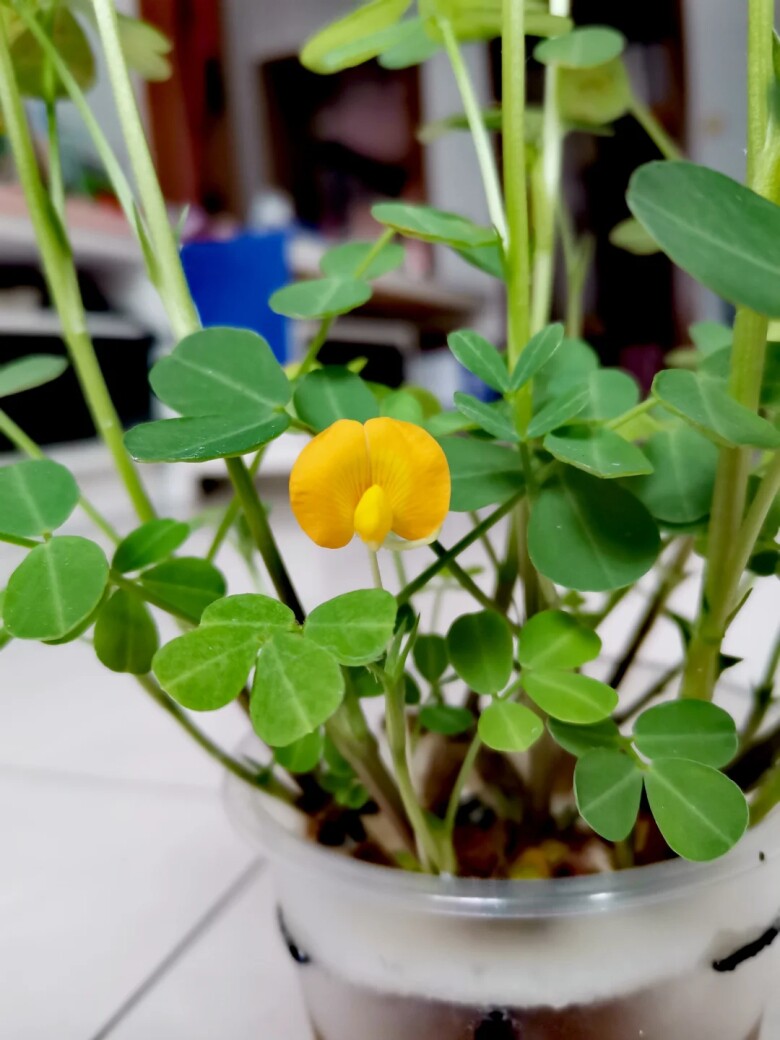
676,951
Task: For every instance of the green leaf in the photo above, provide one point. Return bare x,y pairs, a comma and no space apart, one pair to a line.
610,393
150,543
445,423
26,373
483,474
480,649
493,418
222,371
431,657
717,365
329,394
482,19
204,437
538,352
412,46
696,730
489,259
36,496
187,585
433,225
601,452
337,45
298,686
125,635
569,367
55,588
680,488
608,790
302,756
320,298
700,812
604,537
355,627
717,230
259,617
344,260
207,668
509,727
400,404
30,63
710,336
569,696
446,719
593,97
558,411
145,48
480,358
582,48
555,639
578,740
710,408
634,238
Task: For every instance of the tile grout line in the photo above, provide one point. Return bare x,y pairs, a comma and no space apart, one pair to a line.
201,926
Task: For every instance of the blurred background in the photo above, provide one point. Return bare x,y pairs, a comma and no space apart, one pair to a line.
129,907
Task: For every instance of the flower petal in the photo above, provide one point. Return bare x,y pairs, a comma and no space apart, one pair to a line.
327,482
412,469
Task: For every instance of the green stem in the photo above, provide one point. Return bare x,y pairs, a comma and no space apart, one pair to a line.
633,413
650,694
760,74
173,288
56,182
461,780
23,543
376,574
20,440
61,277
486,543
150,597
464,579
400,569
260,529
767,796
231,512
482,143
647,120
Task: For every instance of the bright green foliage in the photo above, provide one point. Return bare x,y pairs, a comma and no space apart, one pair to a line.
298,686
717,230
145,48
259,617
701,813
608,789
203,438
506,726
400,404
610,393
595,96
569,696
558,411
222,371
431,657
55,588
433,225
207,668
708,406
696,730
150,543
480,649
601,452
570,366
126,636
480,358
356,627
323,397
604,538
342,261
186,585
412,46
582,48
679,490
495,419
482,474
446,719
555,639
36,496
538,352
579,740
31,371
717,364
710,336
30,64
482,19
302,756
489,259
351,40
632,236
320,298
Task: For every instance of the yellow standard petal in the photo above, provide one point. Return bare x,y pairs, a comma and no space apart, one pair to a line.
412,470
327,482
374,517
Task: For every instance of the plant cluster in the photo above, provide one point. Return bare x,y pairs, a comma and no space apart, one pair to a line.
497,754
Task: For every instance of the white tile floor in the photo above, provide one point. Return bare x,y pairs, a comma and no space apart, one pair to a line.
129,908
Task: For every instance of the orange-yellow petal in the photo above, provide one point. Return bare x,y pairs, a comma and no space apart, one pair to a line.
374,517
412,470
327,482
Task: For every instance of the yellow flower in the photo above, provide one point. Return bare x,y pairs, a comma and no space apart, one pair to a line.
370,479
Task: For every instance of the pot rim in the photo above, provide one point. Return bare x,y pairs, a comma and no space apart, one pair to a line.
476,897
